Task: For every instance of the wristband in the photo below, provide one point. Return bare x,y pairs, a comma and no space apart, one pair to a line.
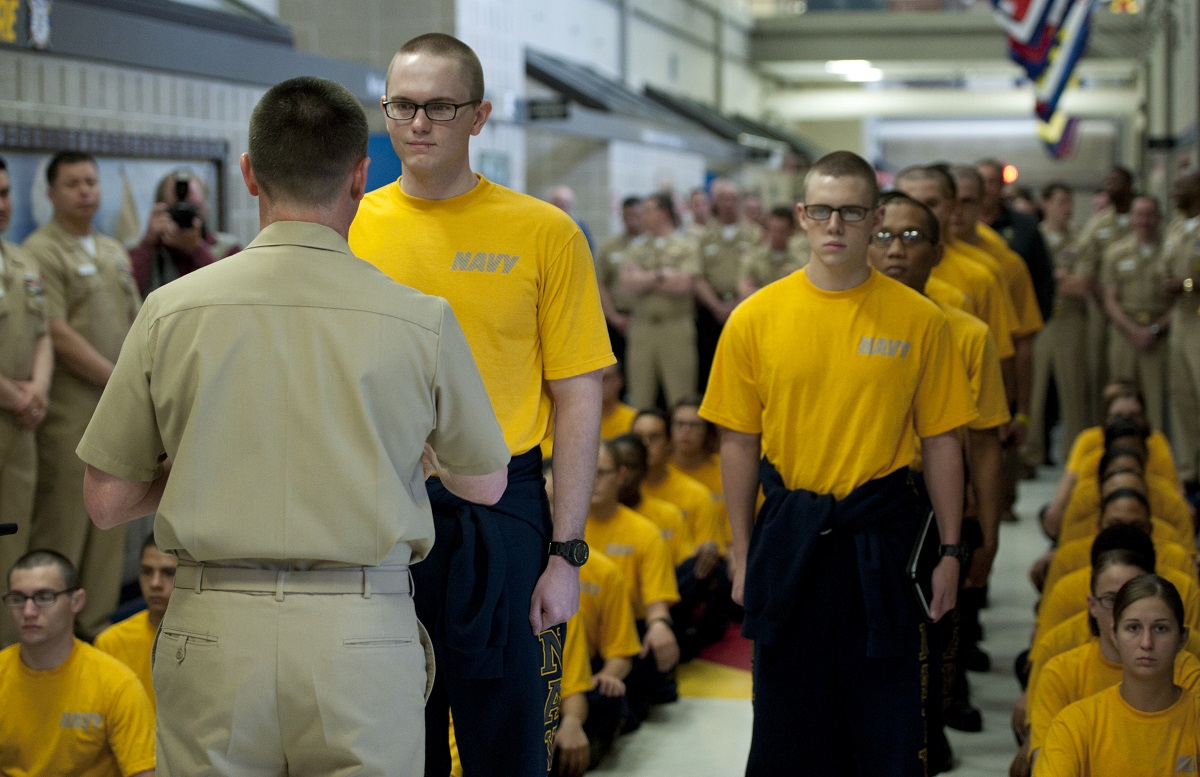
1021,419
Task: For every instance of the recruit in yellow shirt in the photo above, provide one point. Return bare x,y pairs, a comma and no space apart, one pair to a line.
992,303
1089,446
517,272
1102,736
87,718
1077,554
1015,274
708,474
635,545
671,524
1081,672
835,381
605,609
978,348
1081,516
130,642
700,510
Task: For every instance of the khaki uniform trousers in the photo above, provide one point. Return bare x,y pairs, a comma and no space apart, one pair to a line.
660,352
60,521
1057,353
18,479
260,673
1184,376
1148,369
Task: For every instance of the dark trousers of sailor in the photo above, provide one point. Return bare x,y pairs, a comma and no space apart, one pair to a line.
821,706
503,727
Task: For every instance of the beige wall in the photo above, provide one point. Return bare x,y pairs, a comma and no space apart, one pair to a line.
48,91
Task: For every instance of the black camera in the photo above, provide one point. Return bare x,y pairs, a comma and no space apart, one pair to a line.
183,212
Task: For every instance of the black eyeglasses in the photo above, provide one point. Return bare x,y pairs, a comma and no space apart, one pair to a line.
1107,601
403,110
16,600
908,237
850,213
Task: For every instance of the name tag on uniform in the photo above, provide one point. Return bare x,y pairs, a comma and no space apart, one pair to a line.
86,270
711,249
1127,265
616,257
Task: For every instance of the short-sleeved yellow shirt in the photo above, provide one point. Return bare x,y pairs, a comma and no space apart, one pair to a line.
130,642
605,609
835,381
517,272
637,548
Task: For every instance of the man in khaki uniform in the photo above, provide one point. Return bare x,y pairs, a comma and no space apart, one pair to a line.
700,210
273,409
724,247
1056,350
1181,249
91,299
1131,276
784,251
612,254
1098,233
26,362
659,275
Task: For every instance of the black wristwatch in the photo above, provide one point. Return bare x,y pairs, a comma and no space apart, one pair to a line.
574,551
957,550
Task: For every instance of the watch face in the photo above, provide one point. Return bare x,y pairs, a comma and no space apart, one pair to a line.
578,551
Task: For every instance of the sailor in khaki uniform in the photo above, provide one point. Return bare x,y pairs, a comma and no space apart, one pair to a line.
1181,249
784,251
609,258
723,247
659,274
1131,275
26,362
1098,233
1056,350
280,410
91,299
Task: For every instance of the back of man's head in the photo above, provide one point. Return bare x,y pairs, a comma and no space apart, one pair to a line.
41,557
307,135
1122,536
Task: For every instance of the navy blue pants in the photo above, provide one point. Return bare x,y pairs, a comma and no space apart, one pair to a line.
504,726
821,706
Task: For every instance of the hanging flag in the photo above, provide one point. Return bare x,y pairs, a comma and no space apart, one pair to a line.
1059,134
129,227
1064,55
1022,20
1033,55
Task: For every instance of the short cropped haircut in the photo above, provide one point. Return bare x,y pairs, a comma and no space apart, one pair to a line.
630,449
438,44
1145,587
149,542
66,158
1116,452
786,213
630,201
667,203
931,223
657,413
42,557
1126,493
1117,557
1121,428
1054,186
1121,388
306,136
845,164
1124,172
936,173
969,173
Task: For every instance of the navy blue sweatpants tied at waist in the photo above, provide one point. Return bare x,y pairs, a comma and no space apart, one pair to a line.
473,593
837,680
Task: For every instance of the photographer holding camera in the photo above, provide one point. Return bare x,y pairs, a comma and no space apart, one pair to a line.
177,239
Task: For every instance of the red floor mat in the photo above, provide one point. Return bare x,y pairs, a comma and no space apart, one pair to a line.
733,650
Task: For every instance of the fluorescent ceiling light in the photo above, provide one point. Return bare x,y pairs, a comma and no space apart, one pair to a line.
846,66
867,74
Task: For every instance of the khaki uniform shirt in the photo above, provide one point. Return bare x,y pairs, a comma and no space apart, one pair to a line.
609,258
1100,232
1064,253
656,253
22,324
96,296
1137,271
723,252
1181,250
764,265
293,386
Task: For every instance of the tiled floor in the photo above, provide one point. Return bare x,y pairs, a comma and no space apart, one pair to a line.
710,737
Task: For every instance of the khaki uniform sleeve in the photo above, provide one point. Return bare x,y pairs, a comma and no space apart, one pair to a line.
123,438
571,325
467,436
54,276
130,728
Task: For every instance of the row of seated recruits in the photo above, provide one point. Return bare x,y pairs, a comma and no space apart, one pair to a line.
1119,513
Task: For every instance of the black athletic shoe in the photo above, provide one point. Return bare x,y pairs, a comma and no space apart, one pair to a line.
975,660
961,716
